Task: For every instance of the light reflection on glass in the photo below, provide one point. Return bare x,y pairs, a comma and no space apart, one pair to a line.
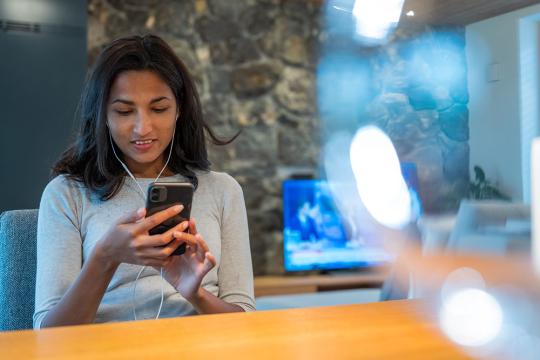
375,19
379,181
471,317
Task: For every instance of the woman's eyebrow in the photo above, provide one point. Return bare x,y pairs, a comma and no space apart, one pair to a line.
123,101
129,102
158,99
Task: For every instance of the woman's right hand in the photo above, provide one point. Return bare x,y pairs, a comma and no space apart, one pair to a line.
128,240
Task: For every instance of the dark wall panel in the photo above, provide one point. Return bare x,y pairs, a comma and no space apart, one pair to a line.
41,76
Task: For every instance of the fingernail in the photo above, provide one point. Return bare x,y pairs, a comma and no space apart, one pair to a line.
178,208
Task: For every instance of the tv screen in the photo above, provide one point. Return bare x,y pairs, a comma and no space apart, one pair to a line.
317,237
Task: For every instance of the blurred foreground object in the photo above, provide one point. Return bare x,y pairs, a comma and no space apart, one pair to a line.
535,202
487,304
373,21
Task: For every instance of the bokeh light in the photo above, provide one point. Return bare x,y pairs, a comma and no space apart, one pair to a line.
378,176
462,278
471,317
375,19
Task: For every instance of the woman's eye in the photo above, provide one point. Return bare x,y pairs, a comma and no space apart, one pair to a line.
160,110
123,112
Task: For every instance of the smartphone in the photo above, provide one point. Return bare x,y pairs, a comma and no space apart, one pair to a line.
163,195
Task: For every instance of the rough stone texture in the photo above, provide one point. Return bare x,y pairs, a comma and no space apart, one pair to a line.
292,40
414,89
295,91
421,102
258,19
254,80
213,30
422,99
234,50
454,122
255,64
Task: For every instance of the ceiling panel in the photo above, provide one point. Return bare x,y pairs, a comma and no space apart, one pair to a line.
460,12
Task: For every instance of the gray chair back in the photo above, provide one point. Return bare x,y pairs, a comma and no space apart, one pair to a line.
17,268
480,227
494,227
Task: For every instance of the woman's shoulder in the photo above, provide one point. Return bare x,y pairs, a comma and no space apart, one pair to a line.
62,185
217,182
64,181
216,179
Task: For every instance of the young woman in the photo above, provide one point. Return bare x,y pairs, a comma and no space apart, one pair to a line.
141,120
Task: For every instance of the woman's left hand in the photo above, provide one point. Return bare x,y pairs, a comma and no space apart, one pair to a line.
185,272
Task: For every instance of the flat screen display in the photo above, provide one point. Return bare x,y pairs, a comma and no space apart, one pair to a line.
318,237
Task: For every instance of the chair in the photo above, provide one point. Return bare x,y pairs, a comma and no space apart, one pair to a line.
17,268
485,227
494,227
480,227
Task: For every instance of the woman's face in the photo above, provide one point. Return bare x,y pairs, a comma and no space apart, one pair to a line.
141,115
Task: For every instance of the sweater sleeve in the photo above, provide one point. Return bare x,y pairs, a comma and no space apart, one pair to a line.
235,273
59,245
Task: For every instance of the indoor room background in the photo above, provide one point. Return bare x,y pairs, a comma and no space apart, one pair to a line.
450,92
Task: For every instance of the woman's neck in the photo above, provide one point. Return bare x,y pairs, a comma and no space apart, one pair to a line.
153,174
150,171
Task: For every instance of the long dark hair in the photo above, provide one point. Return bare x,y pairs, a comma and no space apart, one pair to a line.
90,159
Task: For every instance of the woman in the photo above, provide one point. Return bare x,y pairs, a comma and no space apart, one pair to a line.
141,120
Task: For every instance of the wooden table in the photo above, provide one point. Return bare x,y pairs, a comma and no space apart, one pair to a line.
390,330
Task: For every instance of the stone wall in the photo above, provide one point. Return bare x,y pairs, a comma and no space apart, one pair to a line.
255,64
421,97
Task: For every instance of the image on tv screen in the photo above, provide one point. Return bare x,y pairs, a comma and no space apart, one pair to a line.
317,237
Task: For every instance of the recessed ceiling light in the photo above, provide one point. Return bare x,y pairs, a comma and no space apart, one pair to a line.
410,13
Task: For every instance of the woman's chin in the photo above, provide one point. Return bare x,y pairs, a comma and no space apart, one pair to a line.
143,162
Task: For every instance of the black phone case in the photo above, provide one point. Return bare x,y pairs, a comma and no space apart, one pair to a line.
176,193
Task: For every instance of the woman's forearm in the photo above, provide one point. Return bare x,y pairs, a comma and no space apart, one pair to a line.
207,303
80,303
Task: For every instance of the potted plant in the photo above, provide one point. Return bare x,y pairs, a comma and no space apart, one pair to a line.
481,188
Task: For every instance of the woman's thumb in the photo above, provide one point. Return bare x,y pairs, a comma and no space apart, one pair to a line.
209,261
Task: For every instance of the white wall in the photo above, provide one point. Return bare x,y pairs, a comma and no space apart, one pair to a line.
503,115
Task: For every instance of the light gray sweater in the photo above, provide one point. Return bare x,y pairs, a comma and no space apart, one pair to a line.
72,219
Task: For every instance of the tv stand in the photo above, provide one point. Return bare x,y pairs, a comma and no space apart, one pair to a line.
343,273
298,284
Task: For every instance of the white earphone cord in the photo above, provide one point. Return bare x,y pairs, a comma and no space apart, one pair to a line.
144,196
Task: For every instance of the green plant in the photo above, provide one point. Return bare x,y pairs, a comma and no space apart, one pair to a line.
481,188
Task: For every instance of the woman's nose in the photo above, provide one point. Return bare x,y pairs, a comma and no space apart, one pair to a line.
143,124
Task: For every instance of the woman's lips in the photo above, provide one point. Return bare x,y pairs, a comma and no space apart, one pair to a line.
142,145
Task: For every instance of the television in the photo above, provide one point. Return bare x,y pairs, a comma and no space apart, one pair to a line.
318,237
